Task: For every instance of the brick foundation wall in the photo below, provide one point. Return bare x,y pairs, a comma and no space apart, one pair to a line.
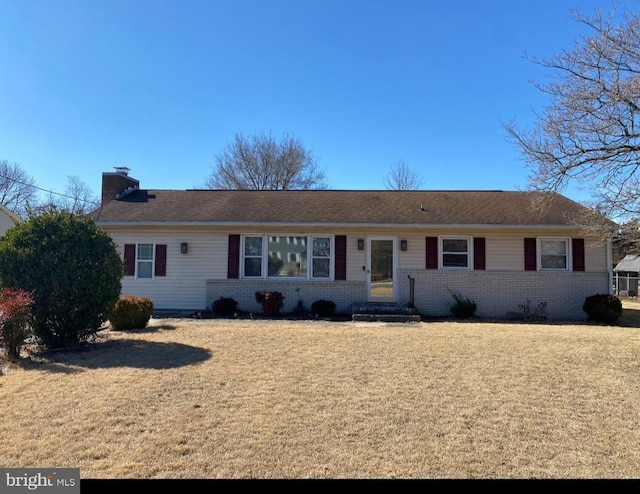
343,293
497,293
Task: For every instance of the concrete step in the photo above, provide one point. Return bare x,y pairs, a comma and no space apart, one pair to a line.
386,317
384,313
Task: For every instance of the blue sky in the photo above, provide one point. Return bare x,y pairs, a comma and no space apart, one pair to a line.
162,86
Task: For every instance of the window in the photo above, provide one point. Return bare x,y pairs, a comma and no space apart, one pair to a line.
144,261
554,253
321,257
456,252
286,256
253,257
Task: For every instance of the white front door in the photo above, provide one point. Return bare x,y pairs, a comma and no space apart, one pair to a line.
381,268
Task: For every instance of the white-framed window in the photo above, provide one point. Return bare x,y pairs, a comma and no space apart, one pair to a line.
455,252
287,256
553,253
321,257
144,261
252,256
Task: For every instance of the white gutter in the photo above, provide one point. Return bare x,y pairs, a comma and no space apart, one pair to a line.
245,224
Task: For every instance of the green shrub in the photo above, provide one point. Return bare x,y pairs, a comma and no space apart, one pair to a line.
72,268
225,307
463,308
602,308
271,302
323,308
131,313
15,320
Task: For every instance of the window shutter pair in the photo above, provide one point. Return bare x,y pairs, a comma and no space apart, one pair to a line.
479,253
531,258
160,268
340,257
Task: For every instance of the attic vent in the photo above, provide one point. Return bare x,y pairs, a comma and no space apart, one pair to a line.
126,191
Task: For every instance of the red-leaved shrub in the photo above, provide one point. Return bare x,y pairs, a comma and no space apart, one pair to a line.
15,319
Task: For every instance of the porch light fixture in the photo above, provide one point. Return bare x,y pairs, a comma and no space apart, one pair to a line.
184,248
361,244
403,245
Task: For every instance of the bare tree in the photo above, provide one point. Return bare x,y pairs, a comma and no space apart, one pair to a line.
77,198
626,241
590,133
402,177
18,191
262,162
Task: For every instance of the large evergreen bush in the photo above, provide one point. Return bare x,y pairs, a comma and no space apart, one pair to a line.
72,268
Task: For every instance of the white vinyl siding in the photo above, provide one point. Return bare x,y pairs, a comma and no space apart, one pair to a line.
184,287
6,222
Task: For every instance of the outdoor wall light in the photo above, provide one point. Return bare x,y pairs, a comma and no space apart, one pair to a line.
184,248
403,245
361,244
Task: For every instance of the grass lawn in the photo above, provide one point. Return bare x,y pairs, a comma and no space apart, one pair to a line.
207,399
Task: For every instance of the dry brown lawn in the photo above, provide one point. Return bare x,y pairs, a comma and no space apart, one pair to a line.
341,400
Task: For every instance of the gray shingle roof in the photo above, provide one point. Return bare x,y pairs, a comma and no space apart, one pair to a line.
341,207
630,263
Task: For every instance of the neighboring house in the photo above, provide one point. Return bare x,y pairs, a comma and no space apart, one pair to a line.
7,219
186,248
626,272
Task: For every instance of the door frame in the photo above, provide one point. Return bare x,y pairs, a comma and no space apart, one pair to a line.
394,297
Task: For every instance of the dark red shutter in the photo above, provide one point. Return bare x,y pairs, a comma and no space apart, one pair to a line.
479,256
530,256
432,253
233,259
577,248
129,259
340,270
161,260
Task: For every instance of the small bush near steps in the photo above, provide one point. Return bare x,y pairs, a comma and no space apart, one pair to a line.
323,308
131,312
463,308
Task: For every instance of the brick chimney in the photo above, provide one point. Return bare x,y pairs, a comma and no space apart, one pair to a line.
115,184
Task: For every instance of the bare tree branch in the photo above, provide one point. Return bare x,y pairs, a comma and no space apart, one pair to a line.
17,188
402,177
261,162
590,133
77,198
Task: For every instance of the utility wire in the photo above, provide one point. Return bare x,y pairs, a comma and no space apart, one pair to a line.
86,201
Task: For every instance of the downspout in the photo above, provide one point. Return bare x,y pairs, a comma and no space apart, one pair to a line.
412,284
609,265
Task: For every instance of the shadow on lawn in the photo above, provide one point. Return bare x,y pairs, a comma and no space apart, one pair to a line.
630,317
123,353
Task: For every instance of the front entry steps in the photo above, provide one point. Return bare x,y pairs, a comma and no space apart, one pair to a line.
384,313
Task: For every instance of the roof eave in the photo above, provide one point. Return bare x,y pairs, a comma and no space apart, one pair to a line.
284,224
